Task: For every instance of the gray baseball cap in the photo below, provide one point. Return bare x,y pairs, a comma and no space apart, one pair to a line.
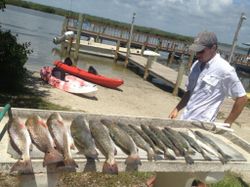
203,40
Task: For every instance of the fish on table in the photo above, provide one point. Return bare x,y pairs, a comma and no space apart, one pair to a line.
206,146
156,149
139,141
213,144
181,139
62,138
125,142
158,141
43,140
105,144
195,145
21,142
176,142
82,137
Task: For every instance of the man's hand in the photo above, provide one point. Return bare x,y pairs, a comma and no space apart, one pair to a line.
173,114
238,106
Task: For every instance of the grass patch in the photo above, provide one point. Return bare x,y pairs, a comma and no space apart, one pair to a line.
30,96
231,180
93,179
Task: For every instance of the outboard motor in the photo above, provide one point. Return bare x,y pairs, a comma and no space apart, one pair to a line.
67,35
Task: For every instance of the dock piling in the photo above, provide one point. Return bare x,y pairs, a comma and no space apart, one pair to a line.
148,65
179,76
78,36
117,51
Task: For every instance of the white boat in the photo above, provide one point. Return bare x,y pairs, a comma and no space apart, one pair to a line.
71,83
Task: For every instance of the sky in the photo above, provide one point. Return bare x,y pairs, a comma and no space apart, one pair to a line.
185,17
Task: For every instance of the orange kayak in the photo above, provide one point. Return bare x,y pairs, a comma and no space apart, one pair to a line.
83,74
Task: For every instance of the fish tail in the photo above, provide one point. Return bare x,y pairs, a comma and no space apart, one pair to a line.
133,159
70,162
52,157
191,151
188,159
22,166
177,152
110,168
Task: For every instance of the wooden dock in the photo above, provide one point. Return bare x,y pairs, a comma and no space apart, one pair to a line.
157,70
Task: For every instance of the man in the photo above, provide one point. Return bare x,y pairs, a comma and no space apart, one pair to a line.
60,74
211,79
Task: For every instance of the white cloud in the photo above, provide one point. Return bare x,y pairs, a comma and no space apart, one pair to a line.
186,17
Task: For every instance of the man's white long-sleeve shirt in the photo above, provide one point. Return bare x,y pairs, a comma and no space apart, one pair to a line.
209,87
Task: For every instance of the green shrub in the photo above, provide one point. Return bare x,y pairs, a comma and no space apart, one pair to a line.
13,56
2,5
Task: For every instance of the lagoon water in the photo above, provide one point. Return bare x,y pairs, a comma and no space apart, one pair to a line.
40,28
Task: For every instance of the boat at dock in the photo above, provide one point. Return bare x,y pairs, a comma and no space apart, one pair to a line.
101,49
83,74
244,63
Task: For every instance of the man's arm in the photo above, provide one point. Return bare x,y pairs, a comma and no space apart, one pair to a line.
180,105
238,106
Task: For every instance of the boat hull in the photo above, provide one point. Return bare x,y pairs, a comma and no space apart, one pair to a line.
71,84
97,79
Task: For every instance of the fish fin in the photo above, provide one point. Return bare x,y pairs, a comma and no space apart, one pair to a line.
72,146
93,154
52,157
70,162
169,157
223,160
158,150
191,151
22,166
110,168
133,159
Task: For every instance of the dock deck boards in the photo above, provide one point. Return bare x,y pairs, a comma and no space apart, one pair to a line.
157,70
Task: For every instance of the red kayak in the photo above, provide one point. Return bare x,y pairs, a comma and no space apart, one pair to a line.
97,79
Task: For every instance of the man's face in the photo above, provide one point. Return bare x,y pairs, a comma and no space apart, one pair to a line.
206,54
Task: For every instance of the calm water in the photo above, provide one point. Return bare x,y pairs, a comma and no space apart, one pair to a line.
40,28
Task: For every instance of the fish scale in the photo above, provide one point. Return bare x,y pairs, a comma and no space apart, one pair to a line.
125,142
42,139
139,141
62,137
82,137
21,142
105,145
